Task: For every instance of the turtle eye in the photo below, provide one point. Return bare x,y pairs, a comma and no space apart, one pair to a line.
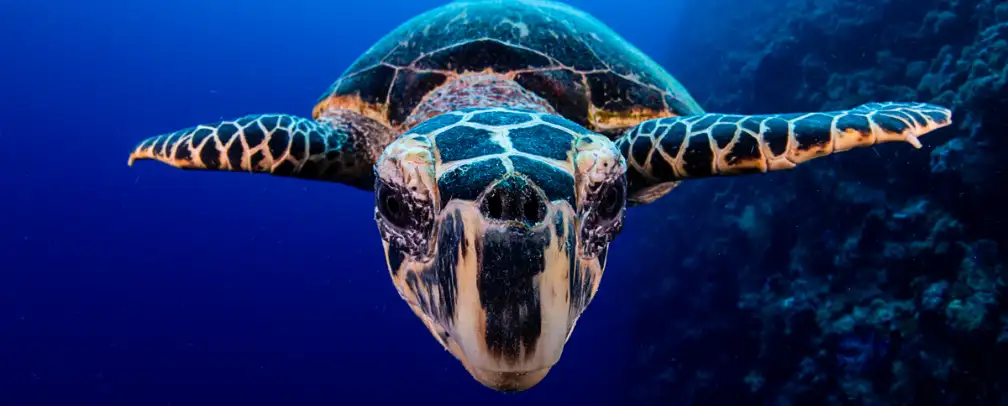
391,206
603,217
405,217
613,199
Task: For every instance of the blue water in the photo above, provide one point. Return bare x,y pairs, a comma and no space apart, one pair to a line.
150,286
872,277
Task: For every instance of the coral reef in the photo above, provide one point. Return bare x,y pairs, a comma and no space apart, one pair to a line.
870,278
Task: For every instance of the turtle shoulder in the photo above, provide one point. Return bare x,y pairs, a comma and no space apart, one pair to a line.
587,72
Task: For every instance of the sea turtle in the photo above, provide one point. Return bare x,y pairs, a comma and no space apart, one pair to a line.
503,141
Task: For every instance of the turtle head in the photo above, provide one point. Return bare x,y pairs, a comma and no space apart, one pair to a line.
500,253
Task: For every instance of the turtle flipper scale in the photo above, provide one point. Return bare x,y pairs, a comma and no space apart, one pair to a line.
277,144
661,152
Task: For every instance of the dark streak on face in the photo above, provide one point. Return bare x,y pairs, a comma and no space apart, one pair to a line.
558,223
395,259
511,259
574,279
441,273
580,289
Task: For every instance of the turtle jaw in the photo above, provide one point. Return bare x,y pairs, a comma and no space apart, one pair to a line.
508,381
501,297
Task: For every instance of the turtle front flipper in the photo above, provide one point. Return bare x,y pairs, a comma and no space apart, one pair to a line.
339,148
662,152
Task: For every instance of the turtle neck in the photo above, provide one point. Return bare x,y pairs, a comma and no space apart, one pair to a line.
477,90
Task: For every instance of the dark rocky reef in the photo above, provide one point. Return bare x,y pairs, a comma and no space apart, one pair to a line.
870,277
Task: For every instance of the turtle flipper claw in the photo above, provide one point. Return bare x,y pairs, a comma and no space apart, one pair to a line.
668,150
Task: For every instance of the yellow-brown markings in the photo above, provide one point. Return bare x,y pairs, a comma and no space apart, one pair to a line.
470,318
747,164
679,164
851,138
554,287
909,134
655,146
428,107
794,152
354,103
604,120
467,339
410,162
592,153
553,308
169,151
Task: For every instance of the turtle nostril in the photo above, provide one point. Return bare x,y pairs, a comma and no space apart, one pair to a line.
532,213
494,205
513,200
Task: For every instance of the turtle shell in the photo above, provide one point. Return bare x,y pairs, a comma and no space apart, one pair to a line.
587,72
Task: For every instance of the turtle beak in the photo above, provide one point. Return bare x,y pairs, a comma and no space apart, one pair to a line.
512,314
509,381
504,287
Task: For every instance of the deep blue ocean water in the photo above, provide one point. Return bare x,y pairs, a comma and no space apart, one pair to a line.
869,277
150,286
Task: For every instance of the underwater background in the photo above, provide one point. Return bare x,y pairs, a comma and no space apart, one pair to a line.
869,277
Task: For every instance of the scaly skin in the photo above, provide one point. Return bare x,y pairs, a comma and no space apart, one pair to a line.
662,152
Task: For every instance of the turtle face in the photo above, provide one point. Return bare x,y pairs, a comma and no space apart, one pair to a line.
500,254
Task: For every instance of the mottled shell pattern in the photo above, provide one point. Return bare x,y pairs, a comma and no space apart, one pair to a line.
587,72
